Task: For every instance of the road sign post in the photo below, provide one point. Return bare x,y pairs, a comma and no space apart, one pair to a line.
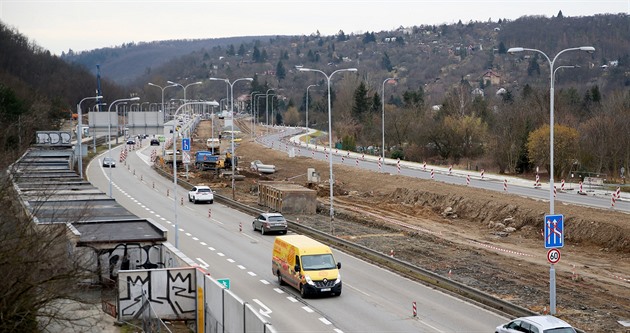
186,144
553,256
554,231
554,239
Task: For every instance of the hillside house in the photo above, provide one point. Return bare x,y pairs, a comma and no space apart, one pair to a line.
492,77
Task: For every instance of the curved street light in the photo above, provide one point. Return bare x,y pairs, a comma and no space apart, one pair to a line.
328,77
184,87
163,88
109,133
212,103
233,153
267,107
251,109
552,71
307,88
80,132
383,118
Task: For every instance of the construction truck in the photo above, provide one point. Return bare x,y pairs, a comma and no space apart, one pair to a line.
206,160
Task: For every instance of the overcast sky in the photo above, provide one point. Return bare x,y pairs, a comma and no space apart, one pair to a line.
60,25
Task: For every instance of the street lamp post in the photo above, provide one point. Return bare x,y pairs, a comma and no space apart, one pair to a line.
163,88
328,77
98,107
251,109
589,49
80,133
233,153
213,103
308,136
109,134
267,108
383,117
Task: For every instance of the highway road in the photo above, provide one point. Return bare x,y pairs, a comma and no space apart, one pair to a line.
596,198
373,299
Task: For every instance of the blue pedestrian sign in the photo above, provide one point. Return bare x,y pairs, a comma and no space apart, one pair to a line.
224,282
186,144
554,231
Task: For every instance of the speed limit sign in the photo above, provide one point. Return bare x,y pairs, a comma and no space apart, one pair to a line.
553,256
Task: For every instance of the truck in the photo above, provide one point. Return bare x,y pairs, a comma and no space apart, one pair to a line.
305,264
206,160
213,144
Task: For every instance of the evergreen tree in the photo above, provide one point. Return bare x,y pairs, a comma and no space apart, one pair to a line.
281,72
502,49
256,55
230,51
264,56
533,67
386,63
341,36
241,50
361,103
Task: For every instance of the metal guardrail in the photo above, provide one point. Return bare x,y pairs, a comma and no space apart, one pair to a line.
401,267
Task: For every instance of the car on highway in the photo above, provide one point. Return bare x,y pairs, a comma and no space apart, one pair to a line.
131,142
109,162
155,142
270,222
200,193
536,324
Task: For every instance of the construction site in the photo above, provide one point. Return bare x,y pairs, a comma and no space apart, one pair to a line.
488,240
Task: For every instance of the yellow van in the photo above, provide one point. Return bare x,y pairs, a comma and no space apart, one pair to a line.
307,265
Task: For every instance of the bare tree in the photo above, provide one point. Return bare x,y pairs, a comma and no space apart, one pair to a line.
42,272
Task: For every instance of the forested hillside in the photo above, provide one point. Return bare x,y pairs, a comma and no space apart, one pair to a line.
37,91
459,97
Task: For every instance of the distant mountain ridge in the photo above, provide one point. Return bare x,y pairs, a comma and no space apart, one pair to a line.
125,63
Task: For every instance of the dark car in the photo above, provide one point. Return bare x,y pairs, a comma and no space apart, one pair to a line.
109,162
270,222
155,142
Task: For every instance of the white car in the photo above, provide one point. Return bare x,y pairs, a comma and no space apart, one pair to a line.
536,324
201,193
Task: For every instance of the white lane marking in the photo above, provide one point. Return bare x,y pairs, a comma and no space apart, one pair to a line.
204,264
210,248
250,237
359,290
251,273
161,218
307,309
220,254
265,311
230,260
152,212
338,330
147,208
195,238
180,229
158,215
241,266
325,321
203,243
292,299
188,234
264,281
278,290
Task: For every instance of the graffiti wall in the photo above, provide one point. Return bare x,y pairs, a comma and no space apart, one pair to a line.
129,256
169,294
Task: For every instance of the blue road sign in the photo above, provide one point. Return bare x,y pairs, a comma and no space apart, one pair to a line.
186,144
554,231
